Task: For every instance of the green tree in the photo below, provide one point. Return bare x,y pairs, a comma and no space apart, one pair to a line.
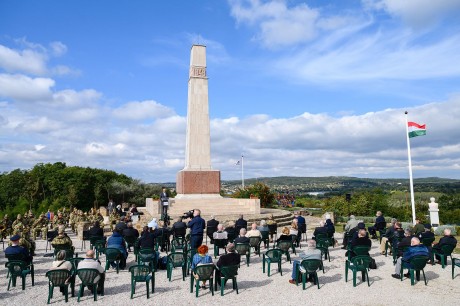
259,190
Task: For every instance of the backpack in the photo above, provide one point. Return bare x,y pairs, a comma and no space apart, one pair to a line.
162,262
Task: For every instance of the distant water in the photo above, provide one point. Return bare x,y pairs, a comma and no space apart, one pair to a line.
316,193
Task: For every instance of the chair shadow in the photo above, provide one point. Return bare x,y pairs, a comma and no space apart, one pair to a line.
244,285
430,275
325,279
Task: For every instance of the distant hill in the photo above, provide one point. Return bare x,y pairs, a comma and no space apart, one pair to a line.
334,184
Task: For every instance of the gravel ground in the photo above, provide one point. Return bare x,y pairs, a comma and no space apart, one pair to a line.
254,286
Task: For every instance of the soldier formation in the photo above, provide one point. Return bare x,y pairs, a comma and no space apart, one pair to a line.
29,228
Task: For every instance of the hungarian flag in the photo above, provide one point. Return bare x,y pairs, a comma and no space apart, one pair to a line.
416,129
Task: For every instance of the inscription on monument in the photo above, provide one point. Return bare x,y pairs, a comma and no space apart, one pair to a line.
199,72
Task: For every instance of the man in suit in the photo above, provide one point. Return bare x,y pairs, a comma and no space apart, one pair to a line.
448,239
379,224
241,223
96,230
416,249
242,237
164,201
361,240
211,227
321,229
16,249
179,228
230,259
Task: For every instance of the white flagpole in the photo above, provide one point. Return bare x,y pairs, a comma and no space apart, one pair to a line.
242,170
411,181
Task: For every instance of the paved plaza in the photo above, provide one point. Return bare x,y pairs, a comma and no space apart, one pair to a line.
254,287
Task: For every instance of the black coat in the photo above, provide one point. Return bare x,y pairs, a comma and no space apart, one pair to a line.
130,232
96,232
229,259
241,240
446,240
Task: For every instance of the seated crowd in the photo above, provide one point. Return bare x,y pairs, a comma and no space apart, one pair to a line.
404,244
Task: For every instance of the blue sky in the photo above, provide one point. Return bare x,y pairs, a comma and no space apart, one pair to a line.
305,88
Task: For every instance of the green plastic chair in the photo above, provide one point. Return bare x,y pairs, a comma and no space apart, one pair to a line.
88,278
255,242
243,249
142,274
416,264
93,240
220,244
58,278
202,273
358,263
446,250
226,273
311,267
455,262
265,239
19,268
323,246
130,242
99,246
178,244
112,254
272,256
428,243
285,246
69,253
176,260
359,250
148,256
74,261
190,253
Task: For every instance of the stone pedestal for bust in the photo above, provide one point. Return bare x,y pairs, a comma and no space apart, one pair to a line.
434,213
82,226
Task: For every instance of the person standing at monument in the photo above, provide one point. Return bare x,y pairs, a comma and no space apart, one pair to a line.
164,201
197,226
110,206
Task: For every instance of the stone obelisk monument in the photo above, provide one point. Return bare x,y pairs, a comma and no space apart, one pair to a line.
198,179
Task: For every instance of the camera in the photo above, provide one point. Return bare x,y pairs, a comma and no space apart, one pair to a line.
187,215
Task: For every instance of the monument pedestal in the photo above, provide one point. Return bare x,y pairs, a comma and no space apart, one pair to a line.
193,182
434,213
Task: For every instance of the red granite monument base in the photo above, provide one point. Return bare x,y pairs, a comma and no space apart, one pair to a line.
198,182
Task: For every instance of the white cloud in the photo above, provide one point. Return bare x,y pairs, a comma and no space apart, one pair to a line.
278,25
28,61
58,48
140,110
34,58
21,87
417,12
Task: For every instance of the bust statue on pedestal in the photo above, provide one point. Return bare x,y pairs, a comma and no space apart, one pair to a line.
434,213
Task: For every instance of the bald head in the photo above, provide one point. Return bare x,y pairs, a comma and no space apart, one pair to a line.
90,254
447,232
414,241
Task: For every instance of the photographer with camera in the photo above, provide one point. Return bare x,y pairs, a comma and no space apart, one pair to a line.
197,226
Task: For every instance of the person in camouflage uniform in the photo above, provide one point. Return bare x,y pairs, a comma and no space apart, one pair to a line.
62,240
40,226
30,219
6,227
18,225
113,218
58,221
72,219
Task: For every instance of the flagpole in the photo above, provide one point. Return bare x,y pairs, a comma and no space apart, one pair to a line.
411,181
242,170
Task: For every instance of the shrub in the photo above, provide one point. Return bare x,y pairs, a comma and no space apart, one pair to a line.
440,230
